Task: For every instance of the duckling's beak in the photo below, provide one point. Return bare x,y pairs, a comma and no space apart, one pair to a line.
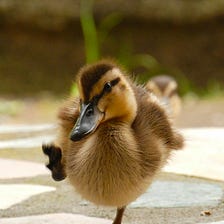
87,122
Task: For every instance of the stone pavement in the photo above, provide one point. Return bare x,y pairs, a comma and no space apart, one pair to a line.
179,195
11,194
23,169
55,219
203,155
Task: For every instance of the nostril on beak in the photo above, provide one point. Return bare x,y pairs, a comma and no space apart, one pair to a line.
89,112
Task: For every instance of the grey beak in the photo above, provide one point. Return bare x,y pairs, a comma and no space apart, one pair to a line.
87,122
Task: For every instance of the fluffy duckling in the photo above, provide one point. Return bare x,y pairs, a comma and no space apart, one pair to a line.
113,139
166,89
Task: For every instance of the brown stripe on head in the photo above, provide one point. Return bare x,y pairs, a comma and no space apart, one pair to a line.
89,75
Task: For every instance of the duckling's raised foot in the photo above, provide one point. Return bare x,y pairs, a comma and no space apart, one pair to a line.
54,165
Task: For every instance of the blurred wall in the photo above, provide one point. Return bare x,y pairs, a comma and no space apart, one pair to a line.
41,42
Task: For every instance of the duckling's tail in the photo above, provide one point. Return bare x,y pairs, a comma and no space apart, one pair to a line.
177,141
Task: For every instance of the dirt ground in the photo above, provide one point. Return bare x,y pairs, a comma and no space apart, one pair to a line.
195,112
202,113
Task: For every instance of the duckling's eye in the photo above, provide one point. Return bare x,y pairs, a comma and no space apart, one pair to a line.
107,87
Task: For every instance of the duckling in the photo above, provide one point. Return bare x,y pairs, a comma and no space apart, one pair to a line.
113,139
166,89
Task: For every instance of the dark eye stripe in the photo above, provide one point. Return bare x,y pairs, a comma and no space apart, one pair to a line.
115,81
108,86
96,98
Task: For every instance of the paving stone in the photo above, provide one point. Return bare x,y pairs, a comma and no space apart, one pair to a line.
23,128
30,142
203,155
220,222
179,194
12,194
18,169
55,219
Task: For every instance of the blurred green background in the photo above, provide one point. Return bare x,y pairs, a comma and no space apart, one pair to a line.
44,43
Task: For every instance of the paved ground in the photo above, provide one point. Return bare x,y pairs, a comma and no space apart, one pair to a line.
189,191
26,188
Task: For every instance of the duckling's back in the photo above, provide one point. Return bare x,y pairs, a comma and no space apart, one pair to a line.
154,133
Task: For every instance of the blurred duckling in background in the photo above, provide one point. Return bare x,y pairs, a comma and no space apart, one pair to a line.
166,89
113,139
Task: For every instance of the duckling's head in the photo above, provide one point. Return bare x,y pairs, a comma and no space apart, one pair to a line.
166,89
105,94
163,86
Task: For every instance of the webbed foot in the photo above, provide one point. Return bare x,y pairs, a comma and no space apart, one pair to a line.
55,166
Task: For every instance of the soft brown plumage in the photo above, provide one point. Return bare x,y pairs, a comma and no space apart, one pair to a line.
129,142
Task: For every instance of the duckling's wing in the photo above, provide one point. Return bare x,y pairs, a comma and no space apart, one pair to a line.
154,134
152,119
68,113
67,116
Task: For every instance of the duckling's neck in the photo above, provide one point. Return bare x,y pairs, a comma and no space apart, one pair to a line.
130,109
125,109
131,105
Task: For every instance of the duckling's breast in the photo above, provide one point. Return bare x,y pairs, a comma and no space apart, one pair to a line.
107,167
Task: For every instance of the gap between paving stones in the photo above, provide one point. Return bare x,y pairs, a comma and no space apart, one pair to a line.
30,142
